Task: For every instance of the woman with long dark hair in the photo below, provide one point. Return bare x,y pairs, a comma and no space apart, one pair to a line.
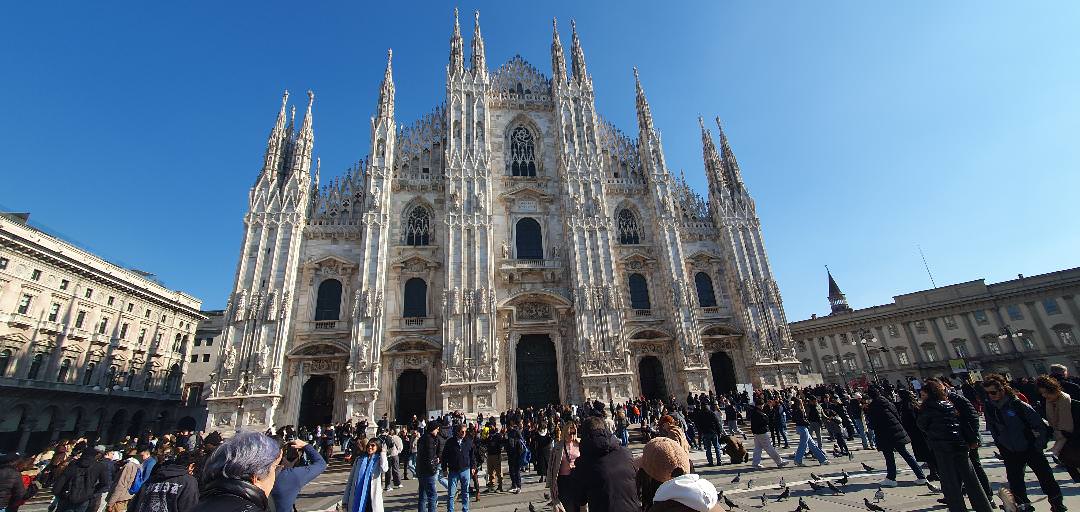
940,421
363,490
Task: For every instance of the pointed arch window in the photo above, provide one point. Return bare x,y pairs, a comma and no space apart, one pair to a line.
415,304
629,229
529,240
706,296
417,230
639,292
328,303
522,153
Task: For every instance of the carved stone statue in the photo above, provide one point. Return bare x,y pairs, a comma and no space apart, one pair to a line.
505,249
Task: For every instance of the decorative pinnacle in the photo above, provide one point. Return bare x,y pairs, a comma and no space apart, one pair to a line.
310,98
476,16
284,98
701,122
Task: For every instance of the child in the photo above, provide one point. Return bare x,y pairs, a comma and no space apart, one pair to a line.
835,428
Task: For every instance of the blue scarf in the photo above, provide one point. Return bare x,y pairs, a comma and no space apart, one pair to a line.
365,468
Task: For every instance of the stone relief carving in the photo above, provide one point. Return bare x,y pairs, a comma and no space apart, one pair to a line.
534,311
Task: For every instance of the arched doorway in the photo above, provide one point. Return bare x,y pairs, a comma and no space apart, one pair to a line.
537,371
316,401
651,373
411,396
723,373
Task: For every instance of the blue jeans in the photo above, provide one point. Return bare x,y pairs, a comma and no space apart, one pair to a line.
624,437
860,429
806,443
890,462
455,479
712,444
429,496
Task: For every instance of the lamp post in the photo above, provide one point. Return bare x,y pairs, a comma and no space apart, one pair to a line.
1008,334
866,339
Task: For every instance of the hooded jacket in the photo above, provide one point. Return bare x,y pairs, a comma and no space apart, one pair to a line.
97,472
1016,427
941,424
889,432
122,484
169,489
604,475
686,493
231,495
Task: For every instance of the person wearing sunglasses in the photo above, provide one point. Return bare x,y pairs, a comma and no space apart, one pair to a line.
1021,435
951,443
364,490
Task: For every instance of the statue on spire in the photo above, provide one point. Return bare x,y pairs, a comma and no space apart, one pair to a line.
479,61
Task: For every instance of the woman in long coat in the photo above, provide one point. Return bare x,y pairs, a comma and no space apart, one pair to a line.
566,451
891,437
909,410
364,490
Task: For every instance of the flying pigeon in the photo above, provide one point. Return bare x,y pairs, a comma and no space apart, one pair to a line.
738,476
802,505
833,488
871,506
932,488
729,503
784,495
867,468
814,486
879,495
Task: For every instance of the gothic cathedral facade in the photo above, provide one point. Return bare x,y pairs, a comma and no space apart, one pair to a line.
509,249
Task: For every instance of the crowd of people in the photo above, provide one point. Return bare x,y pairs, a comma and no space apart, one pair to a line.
580,452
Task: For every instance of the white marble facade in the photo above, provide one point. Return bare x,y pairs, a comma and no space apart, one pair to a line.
509,248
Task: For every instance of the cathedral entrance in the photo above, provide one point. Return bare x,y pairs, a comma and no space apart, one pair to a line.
723,373
651,374
537,371
411,396
316,401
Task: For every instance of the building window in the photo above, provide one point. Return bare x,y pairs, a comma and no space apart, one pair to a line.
931,352
206,358
35,275
24,304
894,331
961,350
147,315
1014,312
35,366
89,293
148,381
843,338
629,229
415,298
902,358
194,358
417,227
65,368
1025,339
54,311
705,293
801,345
103,326
529,240
950,322
920,326
993,346
639,291
328,303
875,360
209,341
142,335
64,284
980,317
110,376
522,153
80,317
164,318
850,364
5,361
130,307
3,263
1065,335
198,342
110,301
830,367
1051,306
123,331
821,342
88,373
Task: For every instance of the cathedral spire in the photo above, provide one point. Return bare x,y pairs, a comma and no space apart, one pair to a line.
479,62
644,113
577,55
714,167
386,92
275,144
731,166
300,155
306,133
837,300
457,55
558,60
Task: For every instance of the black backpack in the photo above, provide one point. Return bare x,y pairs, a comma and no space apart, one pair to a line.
79,488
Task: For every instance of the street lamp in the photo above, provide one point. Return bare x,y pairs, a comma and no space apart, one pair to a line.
866,339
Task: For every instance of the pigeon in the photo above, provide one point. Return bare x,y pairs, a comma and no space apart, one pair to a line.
833,488
531,507
749,483
802,505
879,495
764,500
843,480
867,468
738,476
932,488
814,477
814,486
782,484
871,506
729,503
784,495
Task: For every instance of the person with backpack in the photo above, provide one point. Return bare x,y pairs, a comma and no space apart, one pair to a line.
517,455
1021,436
172,488
127,484
75,487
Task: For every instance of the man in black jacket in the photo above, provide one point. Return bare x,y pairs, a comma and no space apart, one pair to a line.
710,429
171,488
759,426
604,474
75,487
458,463
428,452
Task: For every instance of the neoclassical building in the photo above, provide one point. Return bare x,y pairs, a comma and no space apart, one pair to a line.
510,248
87,347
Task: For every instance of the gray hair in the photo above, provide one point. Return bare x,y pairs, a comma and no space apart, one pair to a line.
245,455
1058,369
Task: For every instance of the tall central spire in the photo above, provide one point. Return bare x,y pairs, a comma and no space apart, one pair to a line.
457,55
386,92
731,166
714,166
644,113
479,62
558,60
577,55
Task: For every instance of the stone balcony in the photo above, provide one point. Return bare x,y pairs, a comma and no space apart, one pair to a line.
328,326
76,333
99,339
713,312
642,315
531,264
48,327
417,323
17,320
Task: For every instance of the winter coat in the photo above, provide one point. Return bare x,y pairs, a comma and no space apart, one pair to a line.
231,495
11,488
799,417
706,422
813,413
604,475
888,428
969,417
122,486
941,424
290,481
375,488
170,489
98,476
759,421
429,448
919,448
457,455
1016,427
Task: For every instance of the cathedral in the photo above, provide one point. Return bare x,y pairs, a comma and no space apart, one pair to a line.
511,248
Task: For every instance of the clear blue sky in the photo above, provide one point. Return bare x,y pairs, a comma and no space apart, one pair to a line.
863,128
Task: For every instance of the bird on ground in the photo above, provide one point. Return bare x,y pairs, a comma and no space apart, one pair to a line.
729,503
749,483
867,468
782,484
832,487
784,495
879,495
815,487
843,480
814,477
871,506
764,499
738,476
932,488
802,505
531,507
